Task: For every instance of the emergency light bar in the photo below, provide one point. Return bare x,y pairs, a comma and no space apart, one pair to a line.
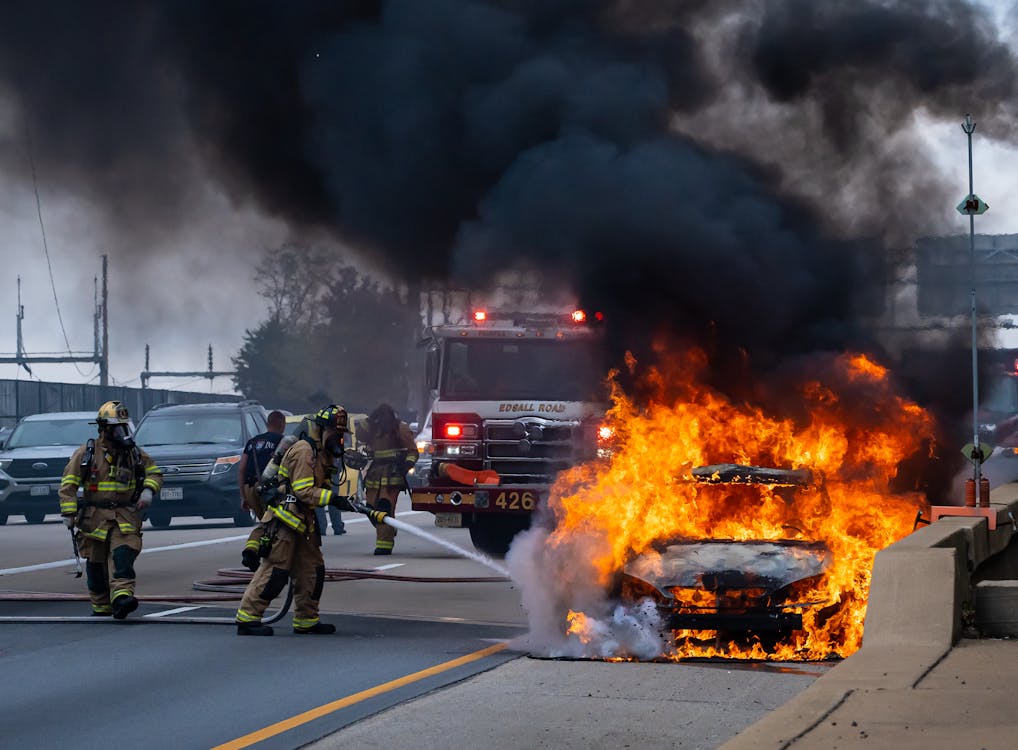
576,317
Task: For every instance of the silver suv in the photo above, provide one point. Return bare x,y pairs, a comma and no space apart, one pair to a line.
33,458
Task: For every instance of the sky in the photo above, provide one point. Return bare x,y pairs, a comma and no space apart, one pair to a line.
194,283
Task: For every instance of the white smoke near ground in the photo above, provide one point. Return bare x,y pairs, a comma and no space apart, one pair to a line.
556,578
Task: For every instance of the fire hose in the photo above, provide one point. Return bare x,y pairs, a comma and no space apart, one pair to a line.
228,585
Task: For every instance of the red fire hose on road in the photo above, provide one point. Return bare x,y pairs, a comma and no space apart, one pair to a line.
228,586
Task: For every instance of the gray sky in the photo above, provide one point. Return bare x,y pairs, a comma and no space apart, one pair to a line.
195,288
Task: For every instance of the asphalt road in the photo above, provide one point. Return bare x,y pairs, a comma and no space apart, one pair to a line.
156,681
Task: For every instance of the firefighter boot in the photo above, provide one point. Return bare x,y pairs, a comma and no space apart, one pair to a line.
319,628
123,606
253,628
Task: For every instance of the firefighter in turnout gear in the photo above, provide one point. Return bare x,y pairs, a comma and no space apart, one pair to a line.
391,446
116,480
306,472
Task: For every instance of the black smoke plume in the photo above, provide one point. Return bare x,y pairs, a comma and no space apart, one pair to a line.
722,173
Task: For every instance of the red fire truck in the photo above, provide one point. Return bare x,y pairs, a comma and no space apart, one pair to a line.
515,398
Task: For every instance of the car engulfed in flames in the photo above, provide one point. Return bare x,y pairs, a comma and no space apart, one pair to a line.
730,588
703,558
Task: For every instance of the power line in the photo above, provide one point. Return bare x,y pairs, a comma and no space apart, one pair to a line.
45,244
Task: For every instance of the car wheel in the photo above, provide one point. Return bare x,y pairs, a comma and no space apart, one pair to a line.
492,534
3,519
159,519
35,516
243,518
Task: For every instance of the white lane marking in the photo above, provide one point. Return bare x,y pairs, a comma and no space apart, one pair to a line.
185,545
61,563
188,545
176,611
390,566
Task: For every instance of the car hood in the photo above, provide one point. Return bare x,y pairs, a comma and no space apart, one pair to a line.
183,451
725,564
39,451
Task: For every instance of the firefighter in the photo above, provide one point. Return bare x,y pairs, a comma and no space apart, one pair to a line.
256,456
117,481
306,471
391,446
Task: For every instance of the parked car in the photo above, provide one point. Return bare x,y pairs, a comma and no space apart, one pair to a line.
198,447
33,458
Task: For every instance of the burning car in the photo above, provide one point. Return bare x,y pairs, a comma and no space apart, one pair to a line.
734,588
663,551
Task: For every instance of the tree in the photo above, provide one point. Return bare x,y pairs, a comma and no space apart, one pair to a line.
295,279
333,335
264,369
370,339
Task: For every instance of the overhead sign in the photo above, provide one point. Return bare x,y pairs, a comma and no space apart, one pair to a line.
972,205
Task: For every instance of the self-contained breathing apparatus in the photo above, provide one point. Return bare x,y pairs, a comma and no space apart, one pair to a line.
273,486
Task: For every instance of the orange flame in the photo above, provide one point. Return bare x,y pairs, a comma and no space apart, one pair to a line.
855,432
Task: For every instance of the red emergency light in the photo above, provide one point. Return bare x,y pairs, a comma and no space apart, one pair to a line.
480,316
455,431
579,316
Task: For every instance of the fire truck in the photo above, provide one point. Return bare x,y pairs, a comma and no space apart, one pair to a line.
514,398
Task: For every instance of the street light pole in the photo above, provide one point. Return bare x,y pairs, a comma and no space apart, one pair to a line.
968,126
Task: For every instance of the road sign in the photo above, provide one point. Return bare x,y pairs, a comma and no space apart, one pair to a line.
970,452
972,204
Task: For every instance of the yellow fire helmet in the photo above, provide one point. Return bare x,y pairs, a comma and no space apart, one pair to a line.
112,412
332,416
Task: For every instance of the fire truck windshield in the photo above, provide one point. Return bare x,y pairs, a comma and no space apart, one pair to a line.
522,369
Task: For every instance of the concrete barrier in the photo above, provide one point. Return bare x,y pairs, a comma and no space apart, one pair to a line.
920,589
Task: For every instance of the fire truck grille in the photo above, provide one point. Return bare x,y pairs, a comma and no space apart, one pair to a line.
536,431
530,451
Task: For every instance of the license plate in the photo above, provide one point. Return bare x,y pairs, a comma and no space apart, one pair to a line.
449,520
39,489
171,493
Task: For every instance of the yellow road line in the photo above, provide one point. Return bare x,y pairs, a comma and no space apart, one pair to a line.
316,713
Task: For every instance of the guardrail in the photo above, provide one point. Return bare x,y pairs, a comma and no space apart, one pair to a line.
922,588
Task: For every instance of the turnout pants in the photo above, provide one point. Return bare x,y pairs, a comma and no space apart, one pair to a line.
384,499
294,556
110,553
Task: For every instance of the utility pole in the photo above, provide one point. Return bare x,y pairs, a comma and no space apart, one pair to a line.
104,362
21,341
978,504
24,360
972,206
210,373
